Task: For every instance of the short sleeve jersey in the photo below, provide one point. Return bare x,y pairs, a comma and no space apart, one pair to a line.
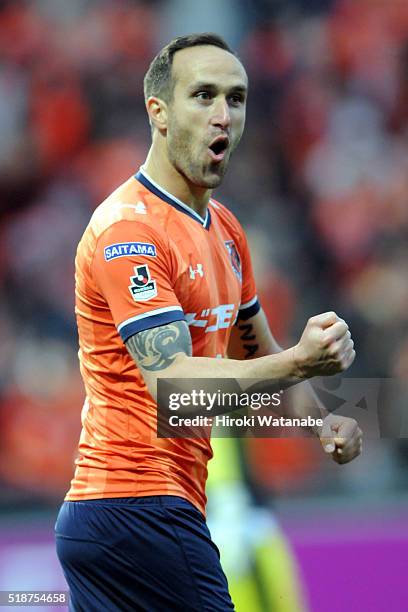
146,260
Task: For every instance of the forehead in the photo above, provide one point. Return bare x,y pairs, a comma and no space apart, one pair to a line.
209,64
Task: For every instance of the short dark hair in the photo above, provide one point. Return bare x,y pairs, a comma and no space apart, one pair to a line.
158,79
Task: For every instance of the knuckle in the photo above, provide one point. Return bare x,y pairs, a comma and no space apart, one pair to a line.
333,350
347,360
342,365
344,327
322,342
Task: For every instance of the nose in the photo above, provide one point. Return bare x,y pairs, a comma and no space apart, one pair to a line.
221,117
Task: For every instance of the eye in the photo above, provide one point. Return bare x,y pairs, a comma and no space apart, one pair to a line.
205,96
236,99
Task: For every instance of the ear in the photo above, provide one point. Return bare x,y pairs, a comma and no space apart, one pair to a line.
157,111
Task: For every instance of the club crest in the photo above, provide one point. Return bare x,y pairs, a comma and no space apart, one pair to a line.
235,258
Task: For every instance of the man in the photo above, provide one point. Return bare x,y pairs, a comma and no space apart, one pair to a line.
162,274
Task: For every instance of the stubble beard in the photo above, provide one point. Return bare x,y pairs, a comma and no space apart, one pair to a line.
207,175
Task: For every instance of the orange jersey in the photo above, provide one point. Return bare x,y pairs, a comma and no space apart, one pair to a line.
145,260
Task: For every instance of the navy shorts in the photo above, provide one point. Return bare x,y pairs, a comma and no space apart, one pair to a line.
150,554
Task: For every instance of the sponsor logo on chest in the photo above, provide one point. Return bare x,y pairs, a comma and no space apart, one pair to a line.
212,319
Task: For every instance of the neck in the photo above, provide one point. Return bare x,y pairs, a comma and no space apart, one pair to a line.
162,171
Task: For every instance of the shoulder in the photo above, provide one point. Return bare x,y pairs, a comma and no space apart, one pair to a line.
227,218
128,211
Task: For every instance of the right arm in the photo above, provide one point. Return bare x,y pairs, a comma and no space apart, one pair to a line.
165,352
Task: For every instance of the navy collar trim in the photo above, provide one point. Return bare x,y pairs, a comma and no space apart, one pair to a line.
161,193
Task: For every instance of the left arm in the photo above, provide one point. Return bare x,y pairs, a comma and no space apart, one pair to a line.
252,338
340,436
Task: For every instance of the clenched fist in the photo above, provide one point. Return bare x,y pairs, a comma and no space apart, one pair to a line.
325,348
341,437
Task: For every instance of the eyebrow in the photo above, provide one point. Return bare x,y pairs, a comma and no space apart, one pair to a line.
205,85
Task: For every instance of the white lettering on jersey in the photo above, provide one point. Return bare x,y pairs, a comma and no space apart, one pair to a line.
126,249
212,319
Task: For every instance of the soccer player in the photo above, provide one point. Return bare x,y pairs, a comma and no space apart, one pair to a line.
163,281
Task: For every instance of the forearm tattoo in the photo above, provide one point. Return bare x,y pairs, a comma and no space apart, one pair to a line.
155,349
248,338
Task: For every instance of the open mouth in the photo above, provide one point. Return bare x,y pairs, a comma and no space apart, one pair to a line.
218,148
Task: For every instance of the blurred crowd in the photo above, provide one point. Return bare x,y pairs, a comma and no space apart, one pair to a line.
320,181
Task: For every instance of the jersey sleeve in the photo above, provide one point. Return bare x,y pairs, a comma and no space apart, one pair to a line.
250,305
135,268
